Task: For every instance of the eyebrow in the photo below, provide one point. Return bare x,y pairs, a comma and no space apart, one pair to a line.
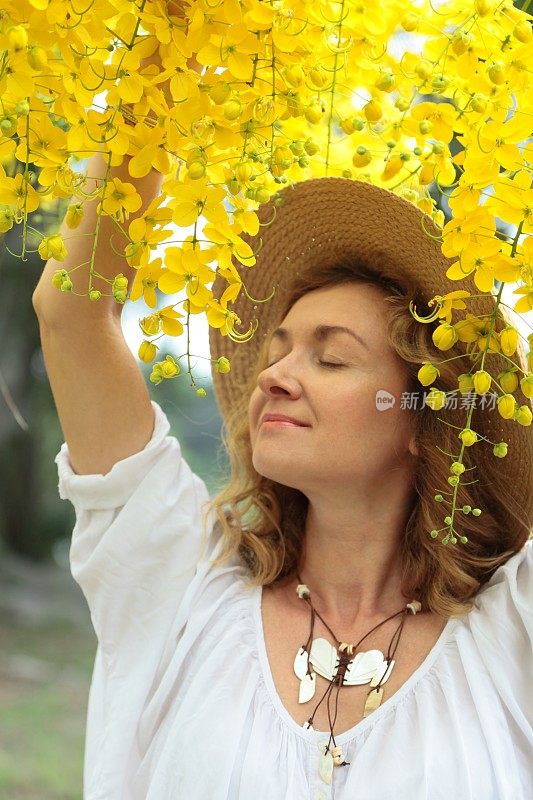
321,333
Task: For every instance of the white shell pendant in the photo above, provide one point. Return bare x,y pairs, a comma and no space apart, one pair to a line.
373,701
362,669
325,769
300,663
307,687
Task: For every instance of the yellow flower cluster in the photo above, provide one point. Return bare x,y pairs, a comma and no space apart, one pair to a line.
400,94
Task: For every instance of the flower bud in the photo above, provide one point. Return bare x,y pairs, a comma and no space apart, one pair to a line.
439,498
445,336
17,37
94,295
434,533
313,112
223,365
410,21
386,81
482,381
147,351
447,520
500,449
457,468
496,73
66,286
201,392
37,58
508,381
522,31
58,277
373,110
424,69
509,340
427,373
467,509
478,103
294,75
466,383
435,399
120,283
74,215
468,437
156,376
196,170
219,93
523,415
476,512
232,109
461,41
453,480
526,385
52,247
311,147
506,406
361,157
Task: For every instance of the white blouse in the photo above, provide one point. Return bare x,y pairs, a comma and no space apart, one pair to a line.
183,706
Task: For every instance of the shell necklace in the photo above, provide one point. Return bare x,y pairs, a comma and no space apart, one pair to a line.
343,666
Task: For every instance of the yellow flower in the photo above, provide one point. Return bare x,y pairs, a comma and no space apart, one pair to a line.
19,193
145,283
506,406
190,201
427,373
448,302
120,199
482,381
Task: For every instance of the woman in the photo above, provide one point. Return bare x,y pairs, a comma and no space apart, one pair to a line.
317,643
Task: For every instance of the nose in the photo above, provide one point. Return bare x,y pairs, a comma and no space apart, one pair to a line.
277,379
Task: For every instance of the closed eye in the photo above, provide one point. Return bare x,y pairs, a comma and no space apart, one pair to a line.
330,364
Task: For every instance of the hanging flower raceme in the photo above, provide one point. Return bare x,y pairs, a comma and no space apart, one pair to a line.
231,101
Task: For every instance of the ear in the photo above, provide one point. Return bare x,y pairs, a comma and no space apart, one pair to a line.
413,446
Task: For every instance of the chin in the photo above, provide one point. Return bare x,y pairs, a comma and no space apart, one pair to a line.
283,474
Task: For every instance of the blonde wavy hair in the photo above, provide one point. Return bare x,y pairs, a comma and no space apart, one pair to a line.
262,522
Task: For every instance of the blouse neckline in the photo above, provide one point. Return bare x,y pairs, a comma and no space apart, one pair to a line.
361,726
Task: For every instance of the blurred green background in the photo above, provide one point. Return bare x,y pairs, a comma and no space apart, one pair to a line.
47,645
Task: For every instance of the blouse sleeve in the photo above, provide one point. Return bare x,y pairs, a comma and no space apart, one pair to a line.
502,626
137,539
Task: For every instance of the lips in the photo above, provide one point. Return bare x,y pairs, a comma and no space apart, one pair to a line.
282,418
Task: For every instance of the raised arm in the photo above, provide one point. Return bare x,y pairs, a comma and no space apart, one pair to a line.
101,397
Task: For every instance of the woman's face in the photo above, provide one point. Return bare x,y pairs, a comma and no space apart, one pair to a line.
353,435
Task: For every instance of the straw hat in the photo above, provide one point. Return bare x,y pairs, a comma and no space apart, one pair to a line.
325,220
